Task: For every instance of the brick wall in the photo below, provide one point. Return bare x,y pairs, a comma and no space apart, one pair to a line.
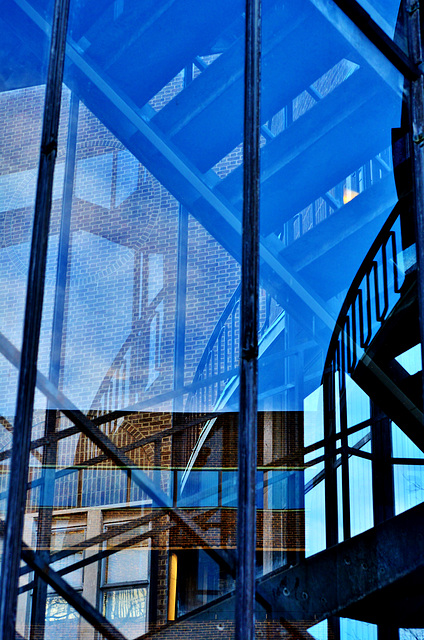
118,338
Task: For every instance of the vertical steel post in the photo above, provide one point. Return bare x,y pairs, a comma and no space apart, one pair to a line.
330,487
47,489
416,114
344,455
181,290
382,467
246,520
383,491
31,330
154,581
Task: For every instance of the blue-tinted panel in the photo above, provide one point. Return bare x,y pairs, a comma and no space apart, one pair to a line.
330,177
384,12
141,325
23,72
361,494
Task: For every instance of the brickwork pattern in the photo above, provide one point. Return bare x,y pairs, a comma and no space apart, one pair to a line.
118,338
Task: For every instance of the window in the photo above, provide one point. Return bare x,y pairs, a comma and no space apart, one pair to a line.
125,582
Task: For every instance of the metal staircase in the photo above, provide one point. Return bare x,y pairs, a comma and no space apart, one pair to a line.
182,142
377,324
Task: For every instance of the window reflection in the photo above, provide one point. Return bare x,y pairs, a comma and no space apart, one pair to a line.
148,342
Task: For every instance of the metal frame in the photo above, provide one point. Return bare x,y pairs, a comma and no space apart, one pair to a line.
32,324
362,550
44,524
247,438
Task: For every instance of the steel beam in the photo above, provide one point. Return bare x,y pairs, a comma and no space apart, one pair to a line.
32,323
49,459
416,116
378,563
366,565
368,47
408,67
80,604
247,432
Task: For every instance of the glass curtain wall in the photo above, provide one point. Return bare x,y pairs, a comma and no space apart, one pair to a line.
21,104
130,523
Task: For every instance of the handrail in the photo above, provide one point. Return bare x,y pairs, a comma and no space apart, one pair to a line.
106,387
218,363
345,341
219,334
221,353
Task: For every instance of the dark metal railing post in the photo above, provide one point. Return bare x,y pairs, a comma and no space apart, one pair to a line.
31,330
246,521
383,491
330,471
416,114
331,517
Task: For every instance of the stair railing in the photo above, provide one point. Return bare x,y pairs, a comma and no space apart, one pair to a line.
371,297
220,359
217,365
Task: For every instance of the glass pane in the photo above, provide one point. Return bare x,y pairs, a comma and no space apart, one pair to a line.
358,403
62,621
133,467
358,629
127,610
142,306
314,509
409,486
66,539
24,59
360,485
129,565
403,447
384,12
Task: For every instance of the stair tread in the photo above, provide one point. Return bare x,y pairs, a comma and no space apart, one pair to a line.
141,62
327,144
206,119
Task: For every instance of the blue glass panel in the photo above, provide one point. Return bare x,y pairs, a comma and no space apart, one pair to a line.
409,486
101,487
330,177
360,484
384,12
357,628
23,73
201,489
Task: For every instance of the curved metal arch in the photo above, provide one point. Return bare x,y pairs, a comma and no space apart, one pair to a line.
265,342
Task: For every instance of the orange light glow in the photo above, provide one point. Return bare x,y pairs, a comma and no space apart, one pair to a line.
348,195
